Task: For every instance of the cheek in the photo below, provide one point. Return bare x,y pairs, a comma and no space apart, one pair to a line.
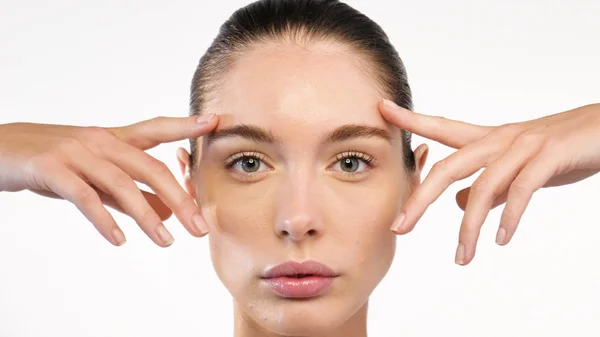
365,226
239,218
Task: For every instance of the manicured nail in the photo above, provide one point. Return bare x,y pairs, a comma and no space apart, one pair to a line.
399,222
198,222
164,235
460,255
118,237
204,119
501,236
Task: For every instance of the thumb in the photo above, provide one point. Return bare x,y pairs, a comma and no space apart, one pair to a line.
152,132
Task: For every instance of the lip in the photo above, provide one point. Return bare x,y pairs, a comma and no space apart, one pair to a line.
300,280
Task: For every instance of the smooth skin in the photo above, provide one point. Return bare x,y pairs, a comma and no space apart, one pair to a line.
93,167
519,159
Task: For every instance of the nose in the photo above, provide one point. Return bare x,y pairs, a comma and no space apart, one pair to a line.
297,229
298,211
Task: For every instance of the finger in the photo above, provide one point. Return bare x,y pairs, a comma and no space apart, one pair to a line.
459,165
529,180
487,188
558,180
149,133
155,174
463,196
157,205
114,181
448,132
71,187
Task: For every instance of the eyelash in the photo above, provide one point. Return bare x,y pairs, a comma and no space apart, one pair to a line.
232,160
369,160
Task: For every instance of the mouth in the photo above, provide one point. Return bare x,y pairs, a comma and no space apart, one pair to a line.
299,280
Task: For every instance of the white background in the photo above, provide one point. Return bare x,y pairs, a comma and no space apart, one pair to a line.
112,63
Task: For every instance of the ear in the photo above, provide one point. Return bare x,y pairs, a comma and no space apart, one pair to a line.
183,157
421,153
421,157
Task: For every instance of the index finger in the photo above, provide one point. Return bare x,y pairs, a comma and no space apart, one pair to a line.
449,132
152,132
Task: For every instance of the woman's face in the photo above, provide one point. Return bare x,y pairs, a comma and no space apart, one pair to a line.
302,167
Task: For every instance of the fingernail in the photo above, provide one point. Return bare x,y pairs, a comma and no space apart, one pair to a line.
460,255
118,237
204,119
198,222
501,236
164,235
399,222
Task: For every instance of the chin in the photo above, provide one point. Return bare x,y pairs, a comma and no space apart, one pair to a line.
302,317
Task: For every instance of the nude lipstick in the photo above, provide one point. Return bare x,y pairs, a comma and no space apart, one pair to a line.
299,280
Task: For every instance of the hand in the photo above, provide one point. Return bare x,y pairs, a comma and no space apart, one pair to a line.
519,158
92,166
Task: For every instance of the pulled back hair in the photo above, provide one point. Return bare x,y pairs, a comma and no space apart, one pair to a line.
302,21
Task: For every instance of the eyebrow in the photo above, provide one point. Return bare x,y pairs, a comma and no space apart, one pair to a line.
351,131
247,131
258,134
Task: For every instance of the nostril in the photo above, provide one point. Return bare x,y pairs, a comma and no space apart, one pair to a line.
312,232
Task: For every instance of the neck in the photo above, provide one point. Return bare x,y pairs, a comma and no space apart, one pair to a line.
355,326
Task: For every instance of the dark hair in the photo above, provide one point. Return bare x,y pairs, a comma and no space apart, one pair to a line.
303,21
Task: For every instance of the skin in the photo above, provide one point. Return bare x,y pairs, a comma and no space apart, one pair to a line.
519,159
300,204
94,167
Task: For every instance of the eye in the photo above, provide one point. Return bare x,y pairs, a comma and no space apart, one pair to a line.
352,162
246,163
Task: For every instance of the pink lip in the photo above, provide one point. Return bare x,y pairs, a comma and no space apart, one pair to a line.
300,280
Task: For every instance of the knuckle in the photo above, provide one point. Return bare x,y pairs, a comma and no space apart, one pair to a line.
445,170
85,195
158,168
412,199
551,146
440,121
480,186
66,146
122,180
188,203
511,129
529,138
148,218
442,168
104,223
509,217
158,120
468,230
94,133
519,189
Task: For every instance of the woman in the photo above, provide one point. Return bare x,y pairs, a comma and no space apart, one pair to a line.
303,167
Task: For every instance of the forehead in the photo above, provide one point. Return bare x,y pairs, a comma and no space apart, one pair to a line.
284,85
